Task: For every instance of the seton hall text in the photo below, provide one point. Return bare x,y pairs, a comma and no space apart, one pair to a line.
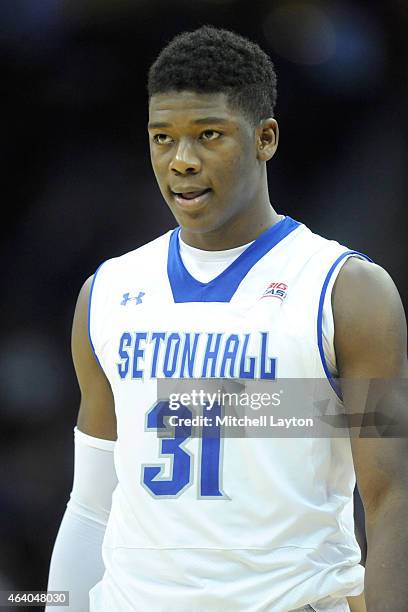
158,354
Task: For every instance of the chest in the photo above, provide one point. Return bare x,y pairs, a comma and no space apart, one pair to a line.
263,333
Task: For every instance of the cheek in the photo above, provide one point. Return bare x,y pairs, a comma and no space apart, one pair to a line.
233,170
230,164
159,166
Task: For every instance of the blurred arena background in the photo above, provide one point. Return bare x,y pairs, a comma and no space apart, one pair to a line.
77,188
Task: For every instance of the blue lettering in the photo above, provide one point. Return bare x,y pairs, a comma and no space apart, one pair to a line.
138,353
230,355
270,372
125,341
211,354
243,373
169,369
189,355
157,337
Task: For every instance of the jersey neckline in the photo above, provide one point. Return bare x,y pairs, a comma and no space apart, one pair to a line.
186,288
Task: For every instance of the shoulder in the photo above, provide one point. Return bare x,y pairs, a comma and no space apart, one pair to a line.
363,287
155,246
153,251
357,271
370,326
80,337
96,415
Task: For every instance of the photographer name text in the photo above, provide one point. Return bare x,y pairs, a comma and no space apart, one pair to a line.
244,421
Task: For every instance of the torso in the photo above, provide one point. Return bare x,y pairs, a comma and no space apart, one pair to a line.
213,504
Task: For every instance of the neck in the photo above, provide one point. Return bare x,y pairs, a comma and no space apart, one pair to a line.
236,232
249,222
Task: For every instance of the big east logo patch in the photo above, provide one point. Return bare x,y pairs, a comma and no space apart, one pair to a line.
276,290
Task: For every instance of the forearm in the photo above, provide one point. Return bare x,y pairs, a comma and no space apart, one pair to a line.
76,563
386,584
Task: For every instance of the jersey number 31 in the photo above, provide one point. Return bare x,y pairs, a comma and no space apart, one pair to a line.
181,476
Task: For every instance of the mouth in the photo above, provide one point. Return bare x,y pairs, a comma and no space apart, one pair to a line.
191,199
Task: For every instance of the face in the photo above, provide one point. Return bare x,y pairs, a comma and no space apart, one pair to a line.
208,159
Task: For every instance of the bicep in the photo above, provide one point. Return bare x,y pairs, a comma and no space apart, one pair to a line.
370,344
97,410
370,326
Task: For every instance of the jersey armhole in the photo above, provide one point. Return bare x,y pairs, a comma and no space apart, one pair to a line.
325,320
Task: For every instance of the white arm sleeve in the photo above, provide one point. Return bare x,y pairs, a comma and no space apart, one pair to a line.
76,562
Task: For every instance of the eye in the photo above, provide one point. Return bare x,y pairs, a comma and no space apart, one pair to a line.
162,139
210,135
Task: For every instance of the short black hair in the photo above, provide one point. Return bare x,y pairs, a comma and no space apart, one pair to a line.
212,60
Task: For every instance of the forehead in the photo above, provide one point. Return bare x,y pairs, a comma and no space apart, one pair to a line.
190,106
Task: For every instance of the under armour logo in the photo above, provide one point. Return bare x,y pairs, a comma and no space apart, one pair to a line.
137,298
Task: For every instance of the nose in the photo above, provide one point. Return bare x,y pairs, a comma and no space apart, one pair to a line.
185,160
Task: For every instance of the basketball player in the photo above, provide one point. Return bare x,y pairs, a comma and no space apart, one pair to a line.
238,524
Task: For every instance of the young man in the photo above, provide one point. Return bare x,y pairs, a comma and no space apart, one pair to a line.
242,523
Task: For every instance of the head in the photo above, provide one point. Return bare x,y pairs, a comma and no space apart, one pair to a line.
211,104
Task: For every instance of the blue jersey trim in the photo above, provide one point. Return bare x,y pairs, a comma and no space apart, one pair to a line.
334,383
186,288
89,314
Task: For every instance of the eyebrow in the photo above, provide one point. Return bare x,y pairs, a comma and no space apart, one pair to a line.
204,121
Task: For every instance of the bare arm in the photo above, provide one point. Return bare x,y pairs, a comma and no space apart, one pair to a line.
97,412
370,343
76,563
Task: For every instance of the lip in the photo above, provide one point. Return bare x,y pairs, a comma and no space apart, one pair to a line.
194,203
188,188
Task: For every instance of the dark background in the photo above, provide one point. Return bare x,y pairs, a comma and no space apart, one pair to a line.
77,188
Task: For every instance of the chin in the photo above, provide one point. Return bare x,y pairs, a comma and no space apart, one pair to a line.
200,226
198,221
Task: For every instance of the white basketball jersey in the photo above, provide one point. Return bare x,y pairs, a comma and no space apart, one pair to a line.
211,524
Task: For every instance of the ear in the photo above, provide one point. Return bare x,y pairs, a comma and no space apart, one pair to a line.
267,138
